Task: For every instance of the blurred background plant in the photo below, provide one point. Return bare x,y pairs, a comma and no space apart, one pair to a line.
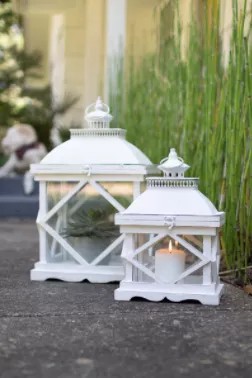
201,107
20,103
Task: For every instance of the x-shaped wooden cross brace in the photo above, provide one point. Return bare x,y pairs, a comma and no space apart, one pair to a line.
43,222
130,257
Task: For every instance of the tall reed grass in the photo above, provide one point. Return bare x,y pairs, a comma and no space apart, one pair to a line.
203,110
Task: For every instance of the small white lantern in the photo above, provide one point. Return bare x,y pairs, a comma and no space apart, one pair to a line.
171,247
83,183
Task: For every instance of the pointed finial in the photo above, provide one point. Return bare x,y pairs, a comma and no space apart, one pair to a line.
99,104
173,154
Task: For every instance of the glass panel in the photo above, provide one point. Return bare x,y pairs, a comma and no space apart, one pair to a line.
56,253
147,258
167,259
86,221
57,190
121,191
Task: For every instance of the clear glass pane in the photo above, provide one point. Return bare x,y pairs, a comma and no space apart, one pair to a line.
86,221
57,190
121,191
167,259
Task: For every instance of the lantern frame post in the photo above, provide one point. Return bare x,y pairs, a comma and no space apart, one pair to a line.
42,212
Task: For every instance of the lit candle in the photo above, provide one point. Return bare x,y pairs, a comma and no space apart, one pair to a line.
169,263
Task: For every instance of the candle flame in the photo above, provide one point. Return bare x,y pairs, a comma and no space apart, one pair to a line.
170,246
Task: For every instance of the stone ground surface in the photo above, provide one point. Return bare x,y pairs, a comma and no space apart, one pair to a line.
56,329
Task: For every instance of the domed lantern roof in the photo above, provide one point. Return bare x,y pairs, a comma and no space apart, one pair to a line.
97,147
172,199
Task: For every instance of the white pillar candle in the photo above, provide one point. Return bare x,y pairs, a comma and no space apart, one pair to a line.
169,264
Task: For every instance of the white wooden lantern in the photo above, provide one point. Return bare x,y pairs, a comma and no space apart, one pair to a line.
83,183
171,246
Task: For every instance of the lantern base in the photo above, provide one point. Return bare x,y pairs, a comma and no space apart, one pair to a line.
76,273
205,294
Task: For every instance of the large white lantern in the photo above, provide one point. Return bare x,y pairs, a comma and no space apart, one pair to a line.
171,246
83,183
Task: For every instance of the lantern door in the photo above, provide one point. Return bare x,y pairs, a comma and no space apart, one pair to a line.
77,227
184,262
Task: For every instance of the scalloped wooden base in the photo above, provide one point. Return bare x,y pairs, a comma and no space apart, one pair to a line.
76,273
205,294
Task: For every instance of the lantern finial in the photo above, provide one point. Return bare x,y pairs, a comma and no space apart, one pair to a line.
97,115
99,104
173,165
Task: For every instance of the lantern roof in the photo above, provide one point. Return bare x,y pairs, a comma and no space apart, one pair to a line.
96,145
170,196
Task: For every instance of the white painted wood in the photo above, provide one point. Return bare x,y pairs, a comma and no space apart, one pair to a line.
207,251
215,256
76,175
161,220
42,212
136,192
70,272
46,170
159,294
193,283
157,229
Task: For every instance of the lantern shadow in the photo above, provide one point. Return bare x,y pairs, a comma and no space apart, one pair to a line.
54,280
165,300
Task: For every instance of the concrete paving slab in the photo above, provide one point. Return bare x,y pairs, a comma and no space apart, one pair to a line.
57,329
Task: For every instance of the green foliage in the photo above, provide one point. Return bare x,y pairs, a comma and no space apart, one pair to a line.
203,110
92,222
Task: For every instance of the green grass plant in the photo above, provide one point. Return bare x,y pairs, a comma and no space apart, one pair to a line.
202,109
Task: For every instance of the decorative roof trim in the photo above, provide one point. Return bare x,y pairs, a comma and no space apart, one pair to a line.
166,182
106,132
